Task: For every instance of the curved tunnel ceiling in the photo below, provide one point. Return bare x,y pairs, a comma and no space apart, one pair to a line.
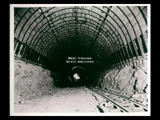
113,34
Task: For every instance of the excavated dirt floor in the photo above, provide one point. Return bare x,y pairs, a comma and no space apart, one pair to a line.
65,100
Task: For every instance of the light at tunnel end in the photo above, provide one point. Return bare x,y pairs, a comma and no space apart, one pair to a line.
77,74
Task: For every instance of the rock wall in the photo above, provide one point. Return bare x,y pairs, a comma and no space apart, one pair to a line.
130,80
30,81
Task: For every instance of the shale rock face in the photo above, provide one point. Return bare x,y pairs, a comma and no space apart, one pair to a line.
110,78
131,81
30,81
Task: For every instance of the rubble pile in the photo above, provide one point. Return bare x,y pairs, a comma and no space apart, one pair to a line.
31,81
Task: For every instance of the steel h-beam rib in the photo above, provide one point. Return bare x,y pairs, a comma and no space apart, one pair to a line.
57,40
101,26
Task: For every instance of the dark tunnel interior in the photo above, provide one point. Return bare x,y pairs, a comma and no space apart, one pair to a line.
65,62
55,36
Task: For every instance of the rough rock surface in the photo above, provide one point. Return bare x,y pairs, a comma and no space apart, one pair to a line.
30,81
131,81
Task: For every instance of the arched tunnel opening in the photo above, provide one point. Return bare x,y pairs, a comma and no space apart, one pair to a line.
103,47
72,57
